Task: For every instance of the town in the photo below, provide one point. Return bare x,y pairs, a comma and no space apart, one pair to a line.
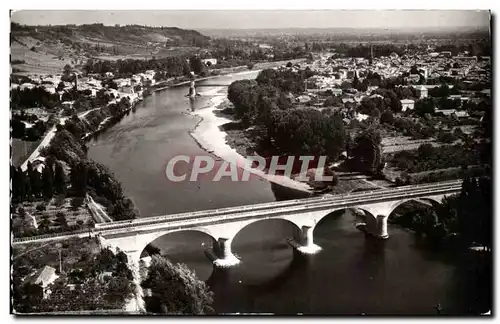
383,113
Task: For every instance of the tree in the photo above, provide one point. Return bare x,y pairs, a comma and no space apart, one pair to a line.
47,182
197,65
18,128
387,117
76,202
368,152
176,289
307,131
60,86
61,220
18,184
333,101
59,179
79,178
425,151
376,114
425,106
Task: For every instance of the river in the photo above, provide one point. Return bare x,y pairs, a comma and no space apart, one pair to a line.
351,275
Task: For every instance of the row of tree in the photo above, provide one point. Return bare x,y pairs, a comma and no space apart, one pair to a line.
31,184
32,97
172,66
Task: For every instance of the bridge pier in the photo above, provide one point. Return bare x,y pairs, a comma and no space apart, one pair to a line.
379,228
382,227
307,245
376,227
226,258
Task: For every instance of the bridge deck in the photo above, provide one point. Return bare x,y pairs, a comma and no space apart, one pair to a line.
332,199
197,85
267,209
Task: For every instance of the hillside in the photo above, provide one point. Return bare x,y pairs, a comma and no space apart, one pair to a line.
46,49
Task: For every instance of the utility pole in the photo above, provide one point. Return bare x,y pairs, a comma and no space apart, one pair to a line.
60,262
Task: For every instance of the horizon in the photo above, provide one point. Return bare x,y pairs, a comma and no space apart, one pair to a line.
262,19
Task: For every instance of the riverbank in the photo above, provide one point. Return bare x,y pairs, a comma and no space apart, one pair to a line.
237,70
210,137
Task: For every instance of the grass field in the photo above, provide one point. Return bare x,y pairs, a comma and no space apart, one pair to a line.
21,150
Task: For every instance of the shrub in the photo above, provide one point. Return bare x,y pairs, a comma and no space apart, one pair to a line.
77,202
59,200
41,207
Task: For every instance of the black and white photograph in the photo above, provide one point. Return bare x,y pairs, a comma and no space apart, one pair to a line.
236,162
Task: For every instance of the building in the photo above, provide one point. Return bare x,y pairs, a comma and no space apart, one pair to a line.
422,91
336,91
38,164
424,71
44,278
407,104
452,112
210,61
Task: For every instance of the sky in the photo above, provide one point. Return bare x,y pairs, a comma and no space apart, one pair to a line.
239,19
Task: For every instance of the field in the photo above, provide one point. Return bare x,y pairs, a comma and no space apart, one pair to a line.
47,49
47,253
21,150
405,143
46,58
72,215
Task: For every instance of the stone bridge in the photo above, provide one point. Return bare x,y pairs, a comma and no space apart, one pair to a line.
223,224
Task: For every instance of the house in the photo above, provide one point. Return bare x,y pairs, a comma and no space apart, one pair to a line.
413,78
104,275
210,61
486,92
27,86
407,104
44,277
146,260
336,91
38,164
361,117
303,99
376,95
422,91
452,112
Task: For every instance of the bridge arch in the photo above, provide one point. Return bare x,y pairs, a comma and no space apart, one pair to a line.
148,239
433,203
294,227
368,215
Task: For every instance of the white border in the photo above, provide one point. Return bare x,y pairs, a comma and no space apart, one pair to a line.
192,4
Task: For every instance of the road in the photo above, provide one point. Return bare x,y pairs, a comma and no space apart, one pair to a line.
50,135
